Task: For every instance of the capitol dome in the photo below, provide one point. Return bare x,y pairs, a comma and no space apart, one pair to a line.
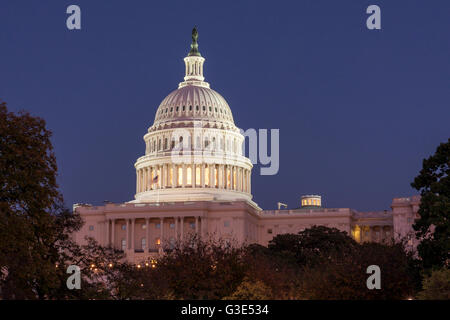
193,148
193,102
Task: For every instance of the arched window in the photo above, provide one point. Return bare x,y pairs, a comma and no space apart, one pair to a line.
172,242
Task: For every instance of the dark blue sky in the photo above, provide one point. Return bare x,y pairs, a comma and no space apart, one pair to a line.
357,110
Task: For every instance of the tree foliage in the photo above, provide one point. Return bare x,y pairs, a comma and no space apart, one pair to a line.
436,286
433,226
34,225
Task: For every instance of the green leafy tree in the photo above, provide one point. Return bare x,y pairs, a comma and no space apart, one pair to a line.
433,226
436,286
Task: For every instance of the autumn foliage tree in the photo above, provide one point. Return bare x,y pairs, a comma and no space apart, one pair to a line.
33,221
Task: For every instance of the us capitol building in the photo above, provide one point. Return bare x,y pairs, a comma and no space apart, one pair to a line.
193,178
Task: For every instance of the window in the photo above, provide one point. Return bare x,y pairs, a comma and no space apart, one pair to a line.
210,109
197,175
158,225
184,108
226,223
172,225
172,243
179,176
269,231
196,108
178,108
204,108
143,243
192,225
189,175
171,109
158,241
124,244
144,226
190,108
91,228
124,227
207,177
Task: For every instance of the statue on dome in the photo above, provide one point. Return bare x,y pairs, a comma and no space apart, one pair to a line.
194,46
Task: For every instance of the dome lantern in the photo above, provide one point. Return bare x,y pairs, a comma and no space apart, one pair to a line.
194,65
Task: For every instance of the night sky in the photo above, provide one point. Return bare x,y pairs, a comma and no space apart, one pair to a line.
357,109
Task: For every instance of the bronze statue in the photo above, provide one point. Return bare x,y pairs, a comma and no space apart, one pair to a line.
194,46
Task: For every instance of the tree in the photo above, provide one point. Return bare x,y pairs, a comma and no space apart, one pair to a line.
34,225
310,245
278,271
344,276
251,290
436,286
433,227
201,269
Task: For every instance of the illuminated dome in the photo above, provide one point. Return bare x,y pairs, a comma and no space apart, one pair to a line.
193,149
193,102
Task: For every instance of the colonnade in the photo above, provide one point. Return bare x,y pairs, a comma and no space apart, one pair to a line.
372,233
228,177
161,235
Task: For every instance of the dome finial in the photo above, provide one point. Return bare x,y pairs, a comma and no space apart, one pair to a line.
194,46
